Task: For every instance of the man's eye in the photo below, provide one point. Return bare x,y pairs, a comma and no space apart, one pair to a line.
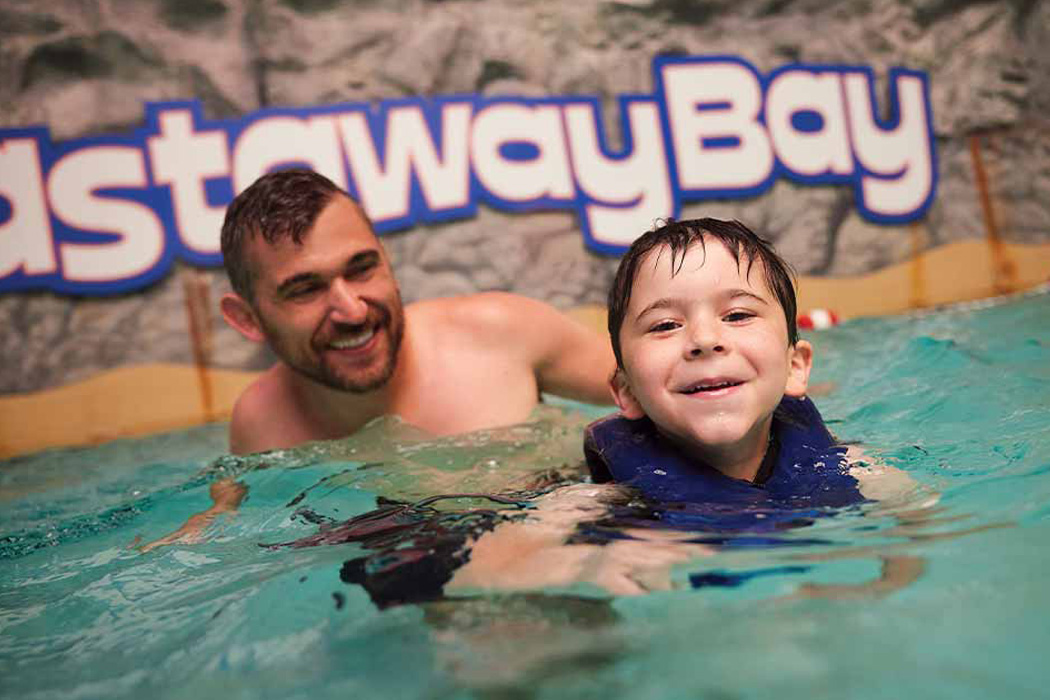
303,291
360,271
736,316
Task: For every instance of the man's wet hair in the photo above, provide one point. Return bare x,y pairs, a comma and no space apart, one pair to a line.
679,237
279,205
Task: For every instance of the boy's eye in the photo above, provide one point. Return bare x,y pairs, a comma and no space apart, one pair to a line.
736,316
663,326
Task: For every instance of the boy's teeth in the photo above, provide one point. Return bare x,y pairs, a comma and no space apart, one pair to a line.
353,341
710,387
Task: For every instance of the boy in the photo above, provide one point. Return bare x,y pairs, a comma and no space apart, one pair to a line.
711,377
715,426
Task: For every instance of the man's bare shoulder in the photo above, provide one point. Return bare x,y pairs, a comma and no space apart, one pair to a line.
565,356
495,315
263,413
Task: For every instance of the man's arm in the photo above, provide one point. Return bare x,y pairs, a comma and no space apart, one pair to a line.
568,358
575,361
226,496
248,433
533,553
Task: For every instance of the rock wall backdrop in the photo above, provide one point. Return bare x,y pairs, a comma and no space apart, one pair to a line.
84,67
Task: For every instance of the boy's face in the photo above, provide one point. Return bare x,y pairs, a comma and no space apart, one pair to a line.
706,353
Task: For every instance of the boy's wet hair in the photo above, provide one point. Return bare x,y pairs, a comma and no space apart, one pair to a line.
679,236
279,205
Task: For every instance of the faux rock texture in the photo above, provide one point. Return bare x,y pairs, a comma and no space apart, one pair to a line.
86,67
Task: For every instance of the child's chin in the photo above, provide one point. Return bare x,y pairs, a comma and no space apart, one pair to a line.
718,438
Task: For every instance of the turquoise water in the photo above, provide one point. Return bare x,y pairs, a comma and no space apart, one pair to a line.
937,595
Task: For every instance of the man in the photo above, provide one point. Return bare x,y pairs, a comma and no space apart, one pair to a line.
311,279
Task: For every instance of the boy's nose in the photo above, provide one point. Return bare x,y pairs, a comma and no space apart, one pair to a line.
705,339
346,304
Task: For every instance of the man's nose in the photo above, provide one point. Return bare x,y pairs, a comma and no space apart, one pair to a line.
346,304
705,338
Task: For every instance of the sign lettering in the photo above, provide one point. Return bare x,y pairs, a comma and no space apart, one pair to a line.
105,215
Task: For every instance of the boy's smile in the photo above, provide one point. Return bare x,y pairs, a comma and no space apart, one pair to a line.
706,355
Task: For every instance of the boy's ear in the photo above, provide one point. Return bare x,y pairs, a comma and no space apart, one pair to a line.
629,406
799,365
240,314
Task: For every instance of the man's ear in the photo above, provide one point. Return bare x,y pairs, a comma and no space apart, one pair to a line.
240,314
624,397
799,365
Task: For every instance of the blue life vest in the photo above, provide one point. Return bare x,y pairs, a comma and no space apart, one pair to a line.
809,476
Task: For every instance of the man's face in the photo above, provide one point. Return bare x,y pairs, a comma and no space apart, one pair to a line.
706,353
330,308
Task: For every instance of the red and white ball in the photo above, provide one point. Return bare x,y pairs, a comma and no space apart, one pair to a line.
817,319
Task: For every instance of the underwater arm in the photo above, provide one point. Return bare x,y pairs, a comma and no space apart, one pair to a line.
883,483
897,572
534,554
226,495
887,485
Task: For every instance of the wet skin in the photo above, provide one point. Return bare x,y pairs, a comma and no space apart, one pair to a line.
706,356
330,307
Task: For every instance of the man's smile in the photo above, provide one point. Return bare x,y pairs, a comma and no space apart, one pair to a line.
353,341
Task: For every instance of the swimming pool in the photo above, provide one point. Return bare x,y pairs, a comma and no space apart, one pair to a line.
959,399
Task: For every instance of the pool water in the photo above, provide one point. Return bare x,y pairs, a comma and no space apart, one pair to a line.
938,595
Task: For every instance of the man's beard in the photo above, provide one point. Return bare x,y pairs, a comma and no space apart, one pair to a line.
391,323
384,320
